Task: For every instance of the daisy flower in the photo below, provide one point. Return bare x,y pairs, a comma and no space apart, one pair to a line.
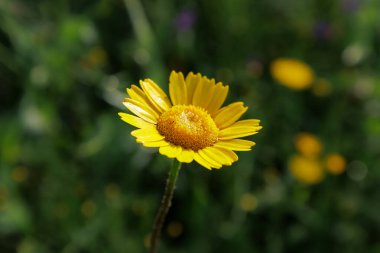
292,73
192,125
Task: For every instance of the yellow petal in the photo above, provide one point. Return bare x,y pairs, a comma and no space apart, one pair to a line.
156,95
217,100
192,82
248,123
233,132
229,114
170,151
153,144
203,92
229,153
186,156
147,134
235,144
138,94
141,110
202,161
177,88
135,121
218,154
213,163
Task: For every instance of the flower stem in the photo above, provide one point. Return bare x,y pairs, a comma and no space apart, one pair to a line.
165,205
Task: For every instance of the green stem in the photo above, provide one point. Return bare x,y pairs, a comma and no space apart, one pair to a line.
165,205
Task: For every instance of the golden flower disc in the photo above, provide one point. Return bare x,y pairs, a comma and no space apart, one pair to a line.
188,126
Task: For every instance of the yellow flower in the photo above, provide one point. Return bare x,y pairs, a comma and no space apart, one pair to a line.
248,202
308,145
175,229
292,73
306,170
321,88
335,164
193,125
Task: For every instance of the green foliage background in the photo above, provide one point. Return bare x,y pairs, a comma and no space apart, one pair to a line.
72,179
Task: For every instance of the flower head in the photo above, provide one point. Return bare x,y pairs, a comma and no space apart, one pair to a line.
308,145
335,163
292,73
192,124
306,170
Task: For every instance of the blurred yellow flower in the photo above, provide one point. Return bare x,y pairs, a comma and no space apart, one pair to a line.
308,145
147,239
112,191
20,174
193,125
3,196
174,229
248,202
321,88
292,73
306,170
335,164
88,208
95,57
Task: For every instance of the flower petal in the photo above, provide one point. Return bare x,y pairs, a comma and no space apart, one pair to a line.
170,151
147,134
235,144
217,100
228,115
156,95
141,110
203,92
223,156
136,93
153,144
135,121
186,156
229,153
236,131
202,161
192,82
213,163
177,88
248,123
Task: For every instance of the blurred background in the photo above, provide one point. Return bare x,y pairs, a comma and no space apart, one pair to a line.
73,180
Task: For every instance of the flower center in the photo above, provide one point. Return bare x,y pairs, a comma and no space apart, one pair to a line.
188,126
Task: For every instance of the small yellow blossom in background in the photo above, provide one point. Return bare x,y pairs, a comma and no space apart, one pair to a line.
20,174
95,57
112,191
335,164
292,73
28,245
3,196
248,202
308,165
308,145
306,170
174,229
147,240
88,208
321,88
191,125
